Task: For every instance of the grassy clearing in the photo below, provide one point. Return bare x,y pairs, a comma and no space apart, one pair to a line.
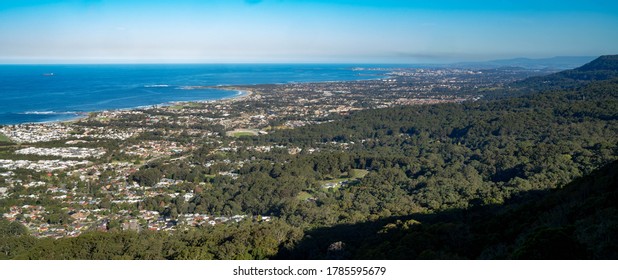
242,132
303,196
4,138
359,173
183,105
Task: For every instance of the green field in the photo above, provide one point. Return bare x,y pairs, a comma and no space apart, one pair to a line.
4,138
242,132
239,134
359,173
303,196
179,106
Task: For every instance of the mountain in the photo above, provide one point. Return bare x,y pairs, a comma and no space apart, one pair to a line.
602,63
553,63
602,68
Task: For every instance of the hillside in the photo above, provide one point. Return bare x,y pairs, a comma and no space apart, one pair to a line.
602,63
603,68
574,222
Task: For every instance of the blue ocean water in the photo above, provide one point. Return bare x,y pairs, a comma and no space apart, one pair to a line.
42,93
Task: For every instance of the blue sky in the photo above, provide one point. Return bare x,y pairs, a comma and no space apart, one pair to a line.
387,31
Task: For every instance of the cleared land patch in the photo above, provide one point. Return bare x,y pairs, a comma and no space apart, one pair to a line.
242,132
4,138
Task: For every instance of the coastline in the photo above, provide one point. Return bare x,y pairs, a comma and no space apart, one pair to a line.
241,93
215,91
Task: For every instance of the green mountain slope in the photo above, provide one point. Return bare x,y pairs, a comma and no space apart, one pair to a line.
603,68
579,221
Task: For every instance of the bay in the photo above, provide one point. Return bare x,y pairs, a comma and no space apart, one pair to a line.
44,93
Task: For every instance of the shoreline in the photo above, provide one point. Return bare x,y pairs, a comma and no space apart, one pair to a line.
59,110
241,93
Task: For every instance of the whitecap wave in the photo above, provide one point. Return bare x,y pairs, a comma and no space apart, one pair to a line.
156,86
188,87
39,113
49,113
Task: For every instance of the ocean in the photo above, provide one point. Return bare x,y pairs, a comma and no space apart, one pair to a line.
44,93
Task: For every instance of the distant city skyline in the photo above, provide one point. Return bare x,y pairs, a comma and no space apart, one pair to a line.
305,31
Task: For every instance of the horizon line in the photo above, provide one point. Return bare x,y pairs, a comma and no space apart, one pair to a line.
229,62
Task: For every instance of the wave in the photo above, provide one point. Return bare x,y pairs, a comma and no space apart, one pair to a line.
49,113
156,86
193,87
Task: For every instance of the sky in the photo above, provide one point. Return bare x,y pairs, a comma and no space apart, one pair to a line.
302,31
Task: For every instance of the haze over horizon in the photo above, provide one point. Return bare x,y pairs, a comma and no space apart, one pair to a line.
272,31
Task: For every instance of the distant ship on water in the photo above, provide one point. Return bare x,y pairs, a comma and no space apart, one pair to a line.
48,74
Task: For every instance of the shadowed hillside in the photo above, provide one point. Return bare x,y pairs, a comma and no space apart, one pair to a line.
579,221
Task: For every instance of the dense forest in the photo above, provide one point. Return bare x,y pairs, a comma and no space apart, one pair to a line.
527,174
577,221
